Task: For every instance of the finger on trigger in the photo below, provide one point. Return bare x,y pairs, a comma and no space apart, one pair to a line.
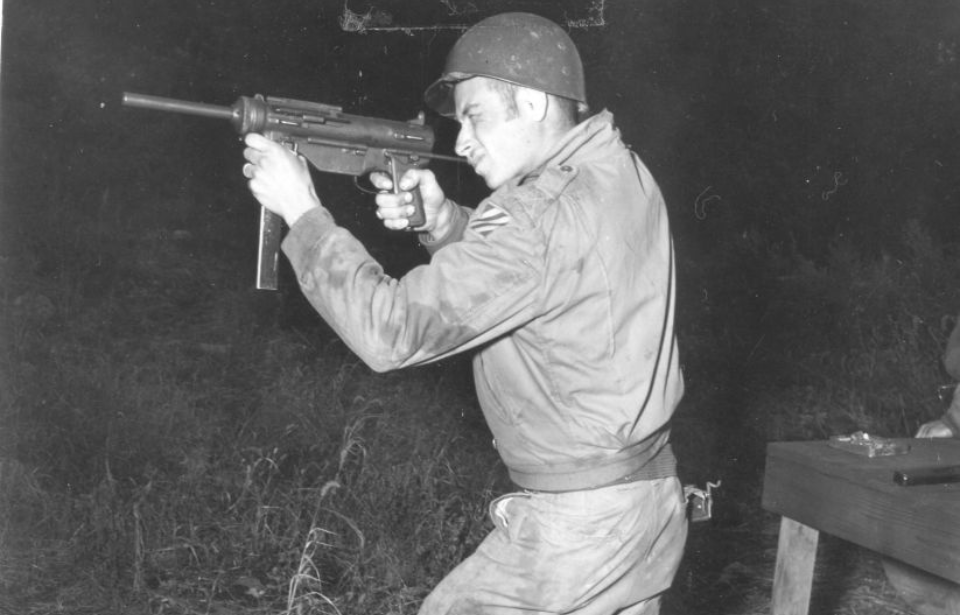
380,181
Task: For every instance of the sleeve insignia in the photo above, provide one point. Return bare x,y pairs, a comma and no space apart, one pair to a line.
488,220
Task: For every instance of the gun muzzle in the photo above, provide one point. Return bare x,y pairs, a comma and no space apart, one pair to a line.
177,106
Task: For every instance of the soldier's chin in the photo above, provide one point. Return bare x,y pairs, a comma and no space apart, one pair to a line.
492,182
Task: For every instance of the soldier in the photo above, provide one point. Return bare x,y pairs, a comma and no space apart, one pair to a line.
561,284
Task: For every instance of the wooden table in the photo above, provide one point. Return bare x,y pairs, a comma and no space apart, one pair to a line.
818,488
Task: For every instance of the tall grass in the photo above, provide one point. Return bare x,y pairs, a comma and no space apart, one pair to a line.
856,343
169,442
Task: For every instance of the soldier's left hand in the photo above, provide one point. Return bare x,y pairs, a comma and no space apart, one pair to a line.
279,178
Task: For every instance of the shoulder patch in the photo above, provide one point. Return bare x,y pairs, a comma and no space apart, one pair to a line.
491,218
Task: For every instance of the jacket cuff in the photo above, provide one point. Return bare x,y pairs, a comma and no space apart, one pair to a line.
458,224
305,233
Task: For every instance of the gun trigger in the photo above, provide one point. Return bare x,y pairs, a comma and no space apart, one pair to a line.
393,173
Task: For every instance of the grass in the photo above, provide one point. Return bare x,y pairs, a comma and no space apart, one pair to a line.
174,442
169,437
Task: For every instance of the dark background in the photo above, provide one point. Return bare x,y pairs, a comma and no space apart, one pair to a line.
788,123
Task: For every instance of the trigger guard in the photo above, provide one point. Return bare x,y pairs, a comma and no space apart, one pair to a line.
366,189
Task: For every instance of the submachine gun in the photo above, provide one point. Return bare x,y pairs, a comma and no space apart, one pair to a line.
331,140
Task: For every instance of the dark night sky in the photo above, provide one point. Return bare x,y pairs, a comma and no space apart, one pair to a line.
795,122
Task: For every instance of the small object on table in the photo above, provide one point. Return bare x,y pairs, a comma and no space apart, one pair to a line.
862,443
934,475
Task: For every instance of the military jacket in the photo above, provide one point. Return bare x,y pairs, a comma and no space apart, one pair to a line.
562,286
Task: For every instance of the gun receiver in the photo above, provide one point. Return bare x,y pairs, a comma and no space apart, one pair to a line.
331,140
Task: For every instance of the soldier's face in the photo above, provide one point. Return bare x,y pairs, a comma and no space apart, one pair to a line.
497,139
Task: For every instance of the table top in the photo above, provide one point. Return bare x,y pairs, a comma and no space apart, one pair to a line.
855,497
822,457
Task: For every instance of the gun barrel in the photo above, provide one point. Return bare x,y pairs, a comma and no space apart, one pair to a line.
177,106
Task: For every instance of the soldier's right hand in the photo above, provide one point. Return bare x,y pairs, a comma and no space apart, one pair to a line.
395,209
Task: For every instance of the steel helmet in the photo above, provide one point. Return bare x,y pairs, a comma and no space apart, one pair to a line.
519,48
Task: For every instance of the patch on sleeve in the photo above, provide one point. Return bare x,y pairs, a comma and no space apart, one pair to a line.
490,219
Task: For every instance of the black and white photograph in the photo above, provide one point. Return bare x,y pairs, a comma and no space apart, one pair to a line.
479,307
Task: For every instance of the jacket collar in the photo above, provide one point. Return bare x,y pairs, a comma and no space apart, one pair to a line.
589,139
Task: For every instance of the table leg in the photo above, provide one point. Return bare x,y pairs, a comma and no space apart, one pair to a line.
793,577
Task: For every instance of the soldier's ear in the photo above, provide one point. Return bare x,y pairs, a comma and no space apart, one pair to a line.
532,103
